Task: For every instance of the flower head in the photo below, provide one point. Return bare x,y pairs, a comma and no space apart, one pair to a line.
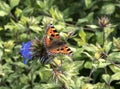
25,51
39,51
103,22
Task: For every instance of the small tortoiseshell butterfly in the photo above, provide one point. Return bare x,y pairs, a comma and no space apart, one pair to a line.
53,42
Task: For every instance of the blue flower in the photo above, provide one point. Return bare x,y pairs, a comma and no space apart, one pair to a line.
25,51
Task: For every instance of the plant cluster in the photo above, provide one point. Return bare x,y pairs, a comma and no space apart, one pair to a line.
89,27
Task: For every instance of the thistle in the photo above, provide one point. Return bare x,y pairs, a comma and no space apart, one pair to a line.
103,22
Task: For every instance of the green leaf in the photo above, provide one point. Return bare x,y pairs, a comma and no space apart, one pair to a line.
115,68
48,86
116,76
116,43
82,20
35,28
102,86
87,86
106,78
107,46
1,50
24,78
88,55
73,69
99,37
14,3
23,36
88,18
4,87
92,26
108,9
88,3
79,41
20,65
27,11
88,65
82,40
101,63
1,28
90,48
4,9
82,34
1,54
114,56
56,14
76,55
108,31
44,74
3,13
18,12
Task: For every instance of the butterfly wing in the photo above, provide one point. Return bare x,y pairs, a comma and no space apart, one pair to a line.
51,34
53,43
62,50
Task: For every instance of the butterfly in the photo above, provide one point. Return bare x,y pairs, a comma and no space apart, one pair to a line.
53,42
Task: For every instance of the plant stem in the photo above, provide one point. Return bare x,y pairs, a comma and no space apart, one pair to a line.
103,37
104,40
31,78
91,72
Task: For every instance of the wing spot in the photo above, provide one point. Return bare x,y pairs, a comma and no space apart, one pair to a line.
52,26
57,49
54,30
68,49
62,49
70,52
52,35
57,34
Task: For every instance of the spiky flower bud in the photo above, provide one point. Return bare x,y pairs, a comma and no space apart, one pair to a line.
103,22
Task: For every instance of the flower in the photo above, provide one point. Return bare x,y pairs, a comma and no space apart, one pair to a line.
103,22
35,49
25,51
39,51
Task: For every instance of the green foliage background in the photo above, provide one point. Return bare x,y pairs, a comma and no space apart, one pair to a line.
95,62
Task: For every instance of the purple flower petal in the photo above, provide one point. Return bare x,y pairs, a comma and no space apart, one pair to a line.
25,51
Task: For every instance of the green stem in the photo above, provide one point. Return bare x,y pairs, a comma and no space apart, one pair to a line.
104,40
103,37
31,78
91,72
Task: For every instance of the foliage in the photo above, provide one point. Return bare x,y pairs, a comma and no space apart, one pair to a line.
91,29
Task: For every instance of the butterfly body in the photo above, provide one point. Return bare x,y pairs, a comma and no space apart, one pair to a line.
53,42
